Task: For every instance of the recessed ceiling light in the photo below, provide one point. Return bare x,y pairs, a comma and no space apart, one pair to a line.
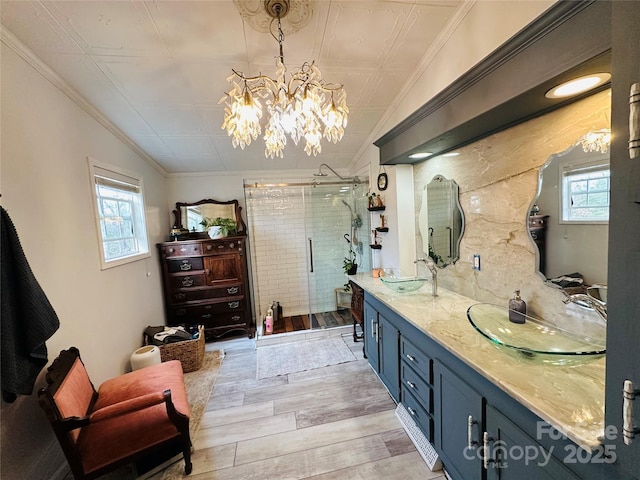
420,155
451,154
578,85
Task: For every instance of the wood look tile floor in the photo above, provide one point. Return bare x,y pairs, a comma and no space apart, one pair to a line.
335,422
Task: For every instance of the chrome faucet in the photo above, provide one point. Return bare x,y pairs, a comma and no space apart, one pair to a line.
434,273
593,303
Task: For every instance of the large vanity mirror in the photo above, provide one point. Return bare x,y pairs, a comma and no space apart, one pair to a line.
189,216
441,221
569,218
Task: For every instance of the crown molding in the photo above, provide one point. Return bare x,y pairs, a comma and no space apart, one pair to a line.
24,52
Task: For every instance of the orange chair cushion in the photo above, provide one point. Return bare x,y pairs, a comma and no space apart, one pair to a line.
104,442
73,398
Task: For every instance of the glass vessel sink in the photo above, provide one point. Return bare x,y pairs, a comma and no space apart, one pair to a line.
536,339
401,282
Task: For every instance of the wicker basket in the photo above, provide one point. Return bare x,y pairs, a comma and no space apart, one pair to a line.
190,352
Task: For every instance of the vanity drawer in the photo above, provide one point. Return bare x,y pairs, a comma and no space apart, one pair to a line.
182,296
418,360
181,249
417,412
187,281
416,384
184,264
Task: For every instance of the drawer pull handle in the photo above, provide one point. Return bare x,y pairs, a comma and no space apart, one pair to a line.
231,245
220,247
209,247
187,281
208,307
411,358
411,411
183,249
171,250
411,384
235,318
180,296
182,311
207,315
471,443
233,304
232,290
185,266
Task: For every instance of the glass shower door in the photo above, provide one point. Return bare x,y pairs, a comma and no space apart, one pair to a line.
333,226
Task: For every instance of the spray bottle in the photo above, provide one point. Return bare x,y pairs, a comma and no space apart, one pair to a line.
269,321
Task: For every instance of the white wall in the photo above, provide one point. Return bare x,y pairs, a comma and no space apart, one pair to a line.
45,185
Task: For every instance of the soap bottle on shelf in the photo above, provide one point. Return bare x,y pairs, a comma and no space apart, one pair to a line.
517,308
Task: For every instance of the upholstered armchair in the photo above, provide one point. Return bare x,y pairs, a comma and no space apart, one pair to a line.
128,418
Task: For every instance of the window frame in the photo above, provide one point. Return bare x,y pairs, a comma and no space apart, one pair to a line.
117,175
577,168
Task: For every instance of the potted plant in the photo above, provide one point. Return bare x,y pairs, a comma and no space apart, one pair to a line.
219,227
349,264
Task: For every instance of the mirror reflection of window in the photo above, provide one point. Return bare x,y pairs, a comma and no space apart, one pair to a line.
585,192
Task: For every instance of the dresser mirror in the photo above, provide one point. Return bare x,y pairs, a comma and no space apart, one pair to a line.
441,221
569,218
188,216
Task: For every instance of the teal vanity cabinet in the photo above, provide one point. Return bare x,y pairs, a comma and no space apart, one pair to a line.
513,455
459,424
381,346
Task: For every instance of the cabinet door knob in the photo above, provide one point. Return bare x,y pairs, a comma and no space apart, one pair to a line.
486,451
471,443
628,396
411,411
411,384
410,357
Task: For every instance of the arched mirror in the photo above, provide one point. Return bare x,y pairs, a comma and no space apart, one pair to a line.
189,216
441,221
569,218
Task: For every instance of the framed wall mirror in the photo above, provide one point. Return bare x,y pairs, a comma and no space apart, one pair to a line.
188,216
569,217
441,221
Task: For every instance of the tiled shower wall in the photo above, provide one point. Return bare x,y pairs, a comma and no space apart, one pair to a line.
498,179
281,222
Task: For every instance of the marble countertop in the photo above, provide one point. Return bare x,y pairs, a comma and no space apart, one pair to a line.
570,399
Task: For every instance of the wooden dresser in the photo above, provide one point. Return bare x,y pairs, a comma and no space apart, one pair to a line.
206,282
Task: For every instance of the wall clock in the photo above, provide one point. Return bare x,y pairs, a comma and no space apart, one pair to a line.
382,181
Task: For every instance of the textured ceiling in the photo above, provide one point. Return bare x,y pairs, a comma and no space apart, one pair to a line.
157,69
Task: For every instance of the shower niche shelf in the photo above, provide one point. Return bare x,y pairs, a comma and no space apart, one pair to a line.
382,229
376,209
376,246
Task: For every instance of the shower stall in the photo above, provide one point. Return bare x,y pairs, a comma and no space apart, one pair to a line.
300,234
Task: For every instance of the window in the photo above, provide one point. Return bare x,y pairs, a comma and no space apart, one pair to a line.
119,207
585,193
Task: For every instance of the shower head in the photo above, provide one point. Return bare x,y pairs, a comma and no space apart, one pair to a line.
320,174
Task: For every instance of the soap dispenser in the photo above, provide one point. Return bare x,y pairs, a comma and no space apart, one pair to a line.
517,308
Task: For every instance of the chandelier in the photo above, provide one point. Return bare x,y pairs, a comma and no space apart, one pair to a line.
299,104
597,141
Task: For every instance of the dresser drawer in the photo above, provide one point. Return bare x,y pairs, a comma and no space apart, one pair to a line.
221,246
417,412
182,296
208,309
416,384
187,281
181,249
418,360
226,320
184,264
